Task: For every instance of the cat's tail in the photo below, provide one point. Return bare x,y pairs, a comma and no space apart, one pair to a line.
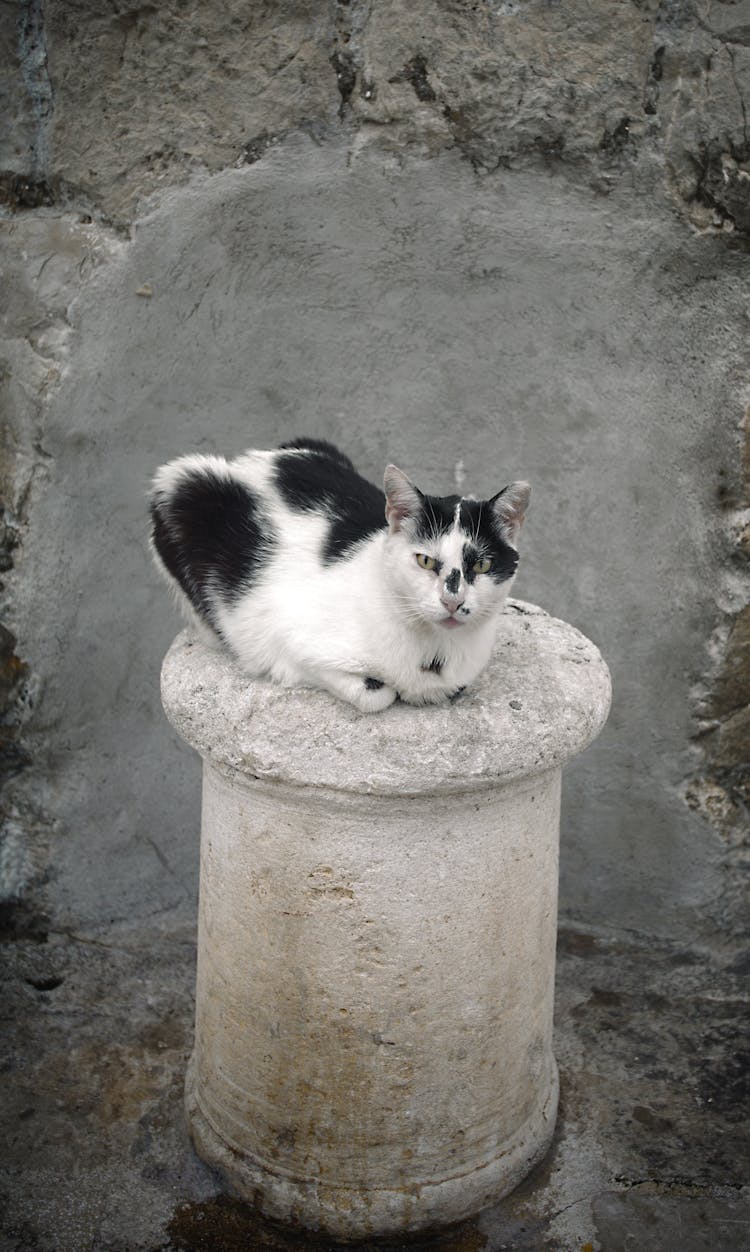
207,533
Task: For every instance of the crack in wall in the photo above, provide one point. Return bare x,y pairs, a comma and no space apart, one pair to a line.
350,22
32,52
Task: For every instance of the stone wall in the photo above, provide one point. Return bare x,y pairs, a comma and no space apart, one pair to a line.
480,238
106,107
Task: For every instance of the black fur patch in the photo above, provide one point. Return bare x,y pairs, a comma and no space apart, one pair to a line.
373,684
322,447
210,538
477,518
437,515
435,666
326,482
452,581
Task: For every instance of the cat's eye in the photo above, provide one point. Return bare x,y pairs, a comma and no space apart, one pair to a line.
427,562
482,566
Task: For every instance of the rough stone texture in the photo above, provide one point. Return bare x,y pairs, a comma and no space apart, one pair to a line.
378,906
373,1033
143,93
544,696
700,87
651,1135
401,310
504,80
46,260
720,791
118,102
19,127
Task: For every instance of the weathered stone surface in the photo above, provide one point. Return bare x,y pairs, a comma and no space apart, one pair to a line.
96,1037
380,881
467,328
19,129
45,261
733,738
143,93
732,688
544,696
505,80
701,73
374,997
139,95
13,671
110,105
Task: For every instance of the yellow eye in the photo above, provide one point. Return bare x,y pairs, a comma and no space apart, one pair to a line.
427,562
482,566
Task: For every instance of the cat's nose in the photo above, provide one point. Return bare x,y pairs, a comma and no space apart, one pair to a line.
451,603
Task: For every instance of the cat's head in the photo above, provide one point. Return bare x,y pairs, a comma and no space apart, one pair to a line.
452,560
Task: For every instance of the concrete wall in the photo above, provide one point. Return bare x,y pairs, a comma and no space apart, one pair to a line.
482,240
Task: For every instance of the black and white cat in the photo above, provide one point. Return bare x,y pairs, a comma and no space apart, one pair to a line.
312,576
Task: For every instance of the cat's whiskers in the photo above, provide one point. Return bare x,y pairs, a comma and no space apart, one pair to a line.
408,611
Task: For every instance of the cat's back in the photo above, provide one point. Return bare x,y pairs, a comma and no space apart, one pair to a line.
219,526
311,482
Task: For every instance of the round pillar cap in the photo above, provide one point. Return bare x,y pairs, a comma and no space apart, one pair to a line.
544,696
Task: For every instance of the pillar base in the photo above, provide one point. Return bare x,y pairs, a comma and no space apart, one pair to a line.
350,1212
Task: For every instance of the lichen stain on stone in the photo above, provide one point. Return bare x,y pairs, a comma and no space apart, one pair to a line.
415,73
220,1222
731,686
255,148
13,677
233,1226
614,142
168,1033
21,191
722,183
720,791
126,1083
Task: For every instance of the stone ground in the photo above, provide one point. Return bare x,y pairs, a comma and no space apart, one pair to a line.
650,1152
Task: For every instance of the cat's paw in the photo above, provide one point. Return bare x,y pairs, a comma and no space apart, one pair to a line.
374,696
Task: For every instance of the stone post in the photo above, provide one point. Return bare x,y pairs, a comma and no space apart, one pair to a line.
376,953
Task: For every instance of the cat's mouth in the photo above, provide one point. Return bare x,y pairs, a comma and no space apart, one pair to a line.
450,621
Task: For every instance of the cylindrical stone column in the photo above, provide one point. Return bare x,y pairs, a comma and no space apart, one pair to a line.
373,1048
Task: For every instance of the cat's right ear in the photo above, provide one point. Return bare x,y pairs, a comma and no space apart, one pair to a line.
402,498
509,509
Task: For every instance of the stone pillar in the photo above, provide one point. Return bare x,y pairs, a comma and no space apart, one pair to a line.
373,1049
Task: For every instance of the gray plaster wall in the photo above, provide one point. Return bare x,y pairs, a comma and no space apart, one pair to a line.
432,282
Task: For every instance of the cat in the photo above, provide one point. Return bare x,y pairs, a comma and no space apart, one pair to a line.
312,576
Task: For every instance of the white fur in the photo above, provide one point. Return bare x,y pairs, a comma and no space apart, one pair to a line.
371,613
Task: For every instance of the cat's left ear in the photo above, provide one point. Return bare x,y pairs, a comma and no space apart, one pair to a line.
509,509
402,498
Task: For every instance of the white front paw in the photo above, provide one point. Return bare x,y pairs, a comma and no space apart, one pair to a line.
374,696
